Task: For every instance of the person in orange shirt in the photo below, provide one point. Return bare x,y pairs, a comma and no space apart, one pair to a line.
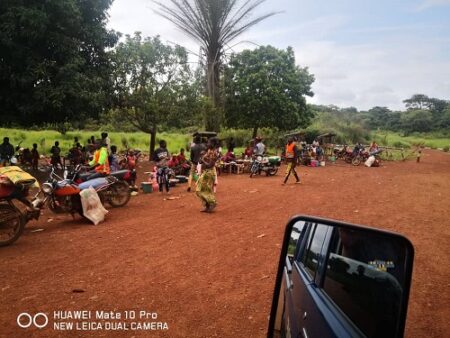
291,158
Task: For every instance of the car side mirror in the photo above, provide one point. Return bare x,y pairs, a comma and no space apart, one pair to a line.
337,279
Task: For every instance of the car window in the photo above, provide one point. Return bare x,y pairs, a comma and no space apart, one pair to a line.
312,253
296,237
365,279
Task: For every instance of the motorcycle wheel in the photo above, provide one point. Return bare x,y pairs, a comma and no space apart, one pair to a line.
272,171
356,161
348,159
119,194
253,171
12,224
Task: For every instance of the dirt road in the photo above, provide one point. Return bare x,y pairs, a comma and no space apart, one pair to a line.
212,275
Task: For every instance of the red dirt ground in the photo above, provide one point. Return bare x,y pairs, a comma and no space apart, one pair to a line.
212,275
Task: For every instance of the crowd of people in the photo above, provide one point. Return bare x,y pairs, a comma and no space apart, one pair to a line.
201,167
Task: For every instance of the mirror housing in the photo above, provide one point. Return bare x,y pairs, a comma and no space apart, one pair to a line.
339,279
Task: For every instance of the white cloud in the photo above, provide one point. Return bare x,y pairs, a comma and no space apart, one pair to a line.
378,74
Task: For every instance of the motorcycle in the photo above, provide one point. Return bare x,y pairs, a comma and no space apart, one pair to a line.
13,219
357,152
65,192
261,164
364,156
126,175
342,152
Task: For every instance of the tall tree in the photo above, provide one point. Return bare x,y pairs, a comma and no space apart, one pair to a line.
152,82
214,24
53,61
265,88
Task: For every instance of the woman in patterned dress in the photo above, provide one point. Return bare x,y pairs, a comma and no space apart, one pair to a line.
205,184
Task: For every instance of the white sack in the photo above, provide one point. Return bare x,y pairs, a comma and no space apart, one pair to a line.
93,208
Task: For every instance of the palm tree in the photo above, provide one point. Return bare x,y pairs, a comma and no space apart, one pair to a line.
214,24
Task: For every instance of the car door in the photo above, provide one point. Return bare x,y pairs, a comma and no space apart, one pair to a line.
297,243
303,312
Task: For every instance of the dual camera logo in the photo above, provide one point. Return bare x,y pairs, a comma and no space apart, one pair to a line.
25,320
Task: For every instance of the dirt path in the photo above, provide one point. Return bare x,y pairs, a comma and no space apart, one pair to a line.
212,275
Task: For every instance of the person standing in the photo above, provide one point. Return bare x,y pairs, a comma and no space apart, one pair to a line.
205,184
34,157
56,155
291,158
107,141
6,152
260,148
196,151
161,157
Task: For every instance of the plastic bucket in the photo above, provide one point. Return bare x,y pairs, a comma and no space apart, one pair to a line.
314,163
147,187
322,164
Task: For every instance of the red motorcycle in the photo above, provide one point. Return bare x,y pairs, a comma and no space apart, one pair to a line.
13,219
125,176
63,195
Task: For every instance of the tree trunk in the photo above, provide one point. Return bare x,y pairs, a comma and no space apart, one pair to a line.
213,89
255,132
152,142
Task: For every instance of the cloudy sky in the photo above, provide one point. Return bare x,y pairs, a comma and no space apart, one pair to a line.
363,53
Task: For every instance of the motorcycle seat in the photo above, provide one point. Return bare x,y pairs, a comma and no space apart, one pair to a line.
120,174
95,183
89,176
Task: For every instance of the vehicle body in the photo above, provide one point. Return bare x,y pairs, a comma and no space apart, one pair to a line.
267,165
341,280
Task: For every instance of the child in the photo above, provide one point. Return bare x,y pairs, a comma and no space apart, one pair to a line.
114,159
34,157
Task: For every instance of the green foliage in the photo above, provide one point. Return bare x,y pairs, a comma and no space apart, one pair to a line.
153,83
265,88
53,61
417,120
446,149
348,128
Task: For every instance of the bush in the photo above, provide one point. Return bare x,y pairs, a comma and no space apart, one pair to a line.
400,144
446,149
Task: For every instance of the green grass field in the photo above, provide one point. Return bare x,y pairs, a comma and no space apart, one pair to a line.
46,138
396,140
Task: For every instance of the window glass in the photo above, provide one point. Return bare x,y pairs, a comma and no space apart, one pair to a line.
312,254
296,236
365,278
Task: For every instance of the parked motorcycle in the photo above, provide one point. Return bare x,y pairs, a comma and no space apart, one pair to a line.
341,152
13,219
110,189
364,156
359,150
268,165
78,176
